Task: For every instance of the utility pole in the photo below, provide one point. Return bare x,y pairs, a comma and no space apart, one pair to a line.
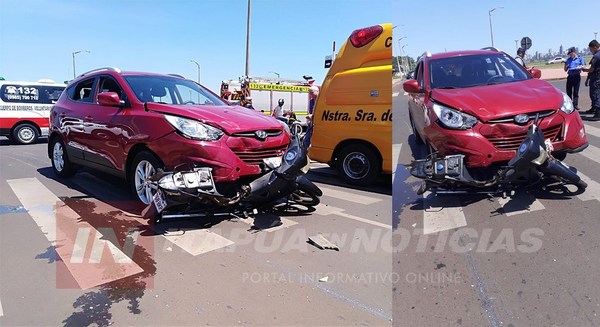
74,53
197,64
491,33
248,42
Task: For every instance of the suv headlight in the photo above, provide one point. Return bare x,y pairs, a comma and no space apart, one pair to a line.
454,119
567,105
194,129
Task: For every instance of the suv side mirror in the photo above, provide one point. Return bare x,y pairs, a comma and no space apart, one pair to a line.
110,99
535,73
411,86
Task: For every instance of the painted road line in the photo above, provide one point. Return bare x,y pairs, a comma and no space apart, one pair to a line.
395,94
1,311
71,237
592,192
442,213
395,158
285,223
592,153
519,204
595,131
352,197
196,241
330,210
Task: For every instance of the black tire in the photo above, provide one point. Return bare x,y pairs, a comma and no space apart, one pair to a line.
61,165
25,134
305,198
418,138
139,172
358,164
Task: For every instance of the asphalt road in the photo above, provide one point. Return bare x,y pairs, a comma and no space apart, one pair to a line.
532,260
75,252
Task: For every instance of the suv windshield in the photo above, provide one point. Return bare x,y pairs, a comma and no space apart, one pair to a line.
171,90
475,70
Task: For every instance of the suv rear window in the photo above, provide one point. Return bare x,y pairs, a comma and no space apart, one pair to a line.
475,70
170,90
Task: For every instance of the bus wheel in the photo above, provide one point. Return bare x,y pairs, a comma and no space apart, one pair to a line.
25,134
358,164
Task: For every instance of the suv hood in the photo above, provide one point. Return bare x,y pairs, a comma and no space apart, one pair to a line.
231,119
501,100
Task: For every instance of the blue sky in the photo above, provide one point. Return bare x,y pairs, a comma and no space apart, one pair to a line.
289,37
455,25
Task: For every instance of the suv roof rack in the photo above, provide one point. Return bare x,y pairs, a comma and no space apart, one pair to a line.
490,48
112,69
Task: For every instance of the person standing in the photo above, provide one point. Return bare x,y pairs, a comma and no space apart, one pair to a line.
277,112
594,76
520,58
573,66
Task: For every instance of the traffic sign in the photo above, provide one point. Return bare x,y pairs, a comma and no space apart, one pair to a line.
526,43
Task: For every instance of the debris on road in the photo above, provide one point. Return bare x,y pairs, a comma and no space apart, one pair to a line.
324,279
322,243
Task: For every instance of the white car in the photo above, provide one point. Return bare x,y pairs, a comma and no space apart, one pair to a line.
556,60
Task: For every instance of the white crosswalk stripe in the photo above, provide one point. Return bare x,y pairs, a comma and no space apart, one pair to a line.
1,310
62,227
592,153
592,192
395,158
520,204
442,213
348,196
595,131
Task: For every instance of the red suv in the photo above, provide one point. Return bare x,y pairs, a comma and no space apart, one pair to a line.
129,124
480,104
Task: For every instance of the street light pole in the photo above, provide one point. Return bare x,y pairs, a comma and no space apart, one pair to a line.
74,53
276,73
400,54
516,46
404,58
490,14
248,42
197,64
595,35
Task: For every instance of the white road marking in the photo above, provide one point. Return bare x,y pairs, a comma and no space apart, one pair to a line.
1,311
595,131
592,192
395,94
352,197
197,241
60,224
592,153
285,223
442,213
395,158
330,210
523,203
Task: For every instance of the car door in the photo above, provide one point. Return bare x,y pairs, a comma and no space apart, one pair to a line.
105,127
73,118
417,106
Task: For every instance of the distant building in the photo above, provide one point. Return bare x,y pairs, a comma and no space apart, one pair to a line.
560,50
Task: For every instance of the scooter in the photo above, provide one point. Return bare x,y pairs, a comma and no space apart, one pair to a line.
532,163
192,193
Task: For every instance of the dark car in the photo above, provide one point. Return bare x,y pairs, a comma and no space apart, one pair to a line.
480,103
130,124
